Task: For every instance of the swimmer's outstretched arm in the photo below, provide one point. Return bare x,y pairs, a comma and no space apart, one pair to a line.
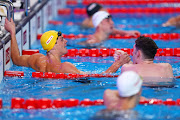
118,63
173,21
87,23
15,54
133,33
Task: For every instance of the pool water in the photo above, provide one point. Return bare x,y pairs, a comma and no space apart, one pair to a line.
92,88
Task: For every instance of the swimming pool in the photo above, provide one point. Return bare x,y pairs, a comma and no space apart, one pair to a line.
92,88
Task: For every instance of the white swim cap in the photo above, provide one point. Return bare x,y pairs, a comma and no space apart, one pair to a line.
98,17
129,83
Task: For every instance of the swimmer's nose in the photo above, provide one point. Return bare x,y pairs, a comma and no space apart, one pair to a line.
65,41
111,21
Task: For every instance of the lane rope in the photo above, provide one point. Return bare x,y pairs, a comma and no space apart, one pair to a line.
154,36
45,103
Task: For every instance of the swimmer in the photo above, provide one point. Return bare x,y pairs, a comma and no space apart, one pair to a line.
55,45
144,51
174,21
104,25
91,9
128,94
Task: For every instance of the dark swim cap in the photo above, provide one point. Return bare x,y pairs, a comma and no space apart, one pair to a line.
93,8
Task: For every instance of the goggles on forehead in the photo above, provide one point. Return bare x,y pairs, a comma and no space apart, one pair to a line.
109,16
59,33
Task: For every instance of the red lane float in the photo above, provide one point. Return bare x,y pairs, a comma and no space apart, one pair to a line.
52,75
39,36
177,52
1,103
71,102
71,2
128,2
80,11
59,103
17,103
64,11
13,74
30,103
154,36
105,52
30,52
45,103
86,102
160,102
54,22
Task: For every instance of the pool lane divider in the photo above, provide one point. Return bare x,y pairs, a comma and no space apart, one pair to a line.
69,75
13,74
105,52
45,103
121,2
129,10
57,75
52,75
154,36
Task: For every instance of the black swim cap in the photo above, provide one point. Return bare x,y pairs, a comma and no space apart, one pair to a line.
93,8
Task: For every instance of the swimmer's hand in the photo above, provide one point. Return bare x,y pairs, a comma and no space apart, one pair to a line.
133,33
10,26
121,56
174,21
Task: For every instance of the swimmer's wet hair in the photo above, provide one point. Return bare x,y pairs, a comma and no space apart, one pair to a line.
147,45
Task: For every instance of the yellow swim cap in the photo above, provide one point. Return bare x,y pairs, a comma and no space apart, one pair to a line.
48,39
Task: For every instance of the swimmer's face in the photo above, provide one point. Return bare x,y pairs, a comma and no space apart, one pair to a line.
61,44
107,25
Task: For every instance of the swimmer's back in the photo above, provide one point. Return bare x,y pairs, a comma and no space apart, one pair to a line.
150,70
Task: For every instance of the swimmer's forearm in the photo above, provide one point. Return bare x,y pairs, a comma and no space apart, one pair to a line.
114,67
14,48
120,32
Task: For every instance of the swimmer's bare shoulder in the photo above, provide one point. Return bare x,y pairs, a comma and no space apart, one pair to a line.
38,62
127,67
167,69
68,67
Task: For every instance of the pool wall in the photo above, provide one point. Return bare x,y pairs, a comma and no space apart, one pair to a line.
27,30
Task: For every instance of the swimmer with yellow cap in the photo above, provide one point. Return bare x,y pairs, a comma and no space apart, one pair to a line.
49,39
55,45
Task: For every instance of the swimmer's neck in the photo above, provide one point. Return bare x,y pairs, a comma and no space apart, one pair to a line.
101,35
54,56
146,61
127,103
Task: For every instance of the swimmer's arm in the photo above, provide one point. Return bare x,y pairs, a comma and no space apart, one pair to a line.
111,98
133,33
127,67
118,63
68,67
87,23
15,54
120,32
169,70
113,68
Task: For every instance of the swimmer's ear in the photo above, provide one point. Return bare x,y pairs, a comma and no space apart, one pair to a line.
139,53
